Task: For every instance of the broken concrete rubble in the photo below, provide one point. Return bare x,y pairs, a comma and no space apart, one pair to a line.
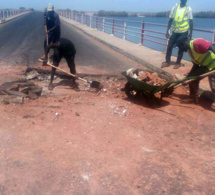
147,77
15,92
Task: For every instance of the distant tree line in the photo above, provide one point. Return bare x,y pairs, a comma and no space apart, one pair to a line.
208,14
74,11
158,14
103,13
133,15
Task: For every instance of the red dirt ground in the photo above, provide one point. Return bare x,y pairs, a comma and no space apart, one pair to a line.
81,142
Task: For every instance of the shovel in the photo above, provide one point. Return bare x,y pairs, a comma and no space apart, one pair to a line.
47,39
185,81
93,84
191,80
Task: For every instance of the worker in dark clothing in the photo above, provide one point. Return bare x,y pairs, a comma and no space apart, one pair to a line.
202,54
62,49
52,24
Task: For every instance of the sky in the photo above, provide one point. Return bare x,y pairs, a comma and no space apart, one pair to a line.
109,5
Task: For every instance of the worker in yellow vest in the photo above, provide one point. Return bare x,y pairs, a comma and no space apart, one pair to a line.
181,20
202,54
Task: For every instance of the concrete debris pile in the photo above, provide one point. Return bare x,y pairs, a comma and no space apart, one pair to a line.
41,76
149,78
17,91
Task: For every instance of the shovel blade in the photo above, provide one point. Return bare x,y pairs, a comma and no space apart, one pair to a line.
96,85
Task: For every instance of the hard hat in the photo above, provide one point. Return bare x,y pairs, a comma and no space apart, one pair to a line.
50,7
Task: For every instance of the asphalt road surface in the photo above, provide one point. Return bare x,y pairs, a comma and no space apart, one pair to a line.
21,43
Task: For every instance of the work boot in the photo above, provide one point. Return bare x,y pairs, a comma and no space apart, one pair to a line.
177,66
50,87
165,64
75,87
193,98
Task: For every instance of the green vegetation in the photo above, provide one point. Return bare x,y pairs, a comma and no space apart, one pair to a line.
208,14
158,14
103,13
132,15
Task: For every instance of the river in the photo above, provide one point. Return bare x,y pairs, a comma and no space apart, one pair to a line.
133,30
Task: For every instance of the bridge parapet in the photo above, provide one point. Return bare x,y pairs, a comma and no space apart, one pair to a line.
149,34
8,13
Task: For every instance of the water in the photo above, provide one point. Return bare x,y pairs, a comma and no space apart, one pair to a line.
133,30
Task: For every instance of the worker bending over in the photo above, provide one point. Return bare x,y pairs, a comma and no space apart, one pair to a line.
202,54
63,49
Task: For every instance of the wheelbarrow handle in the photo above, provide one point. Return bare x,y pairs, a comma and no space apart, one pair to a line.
191,80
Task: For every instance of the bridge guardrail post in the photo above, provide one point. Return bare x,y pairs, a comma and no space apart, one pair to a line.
96,22
214,37
124,33
113,27
142,32
90,21
82,19
103,25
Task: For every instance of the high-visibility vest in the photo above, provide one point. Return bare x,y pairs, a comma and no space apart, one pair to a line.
180,22
205,59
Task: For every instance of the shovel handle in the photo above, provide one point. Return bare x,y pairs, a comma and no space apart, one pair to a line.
67,72
47,39
191,80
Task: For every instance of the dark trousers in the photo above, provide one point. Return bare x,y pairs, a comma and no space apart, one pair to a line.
70,59
53,37
172,41
194,86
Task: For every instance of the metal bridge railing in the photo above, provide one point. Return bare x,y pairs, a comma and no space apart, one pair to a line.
6,13
139,32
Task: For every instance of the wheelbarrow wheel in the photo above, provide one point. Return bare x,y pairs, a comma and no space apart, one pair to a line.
131,92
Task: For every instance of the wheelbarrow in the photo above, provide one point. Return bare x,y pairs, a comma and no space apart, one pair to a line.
134,88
